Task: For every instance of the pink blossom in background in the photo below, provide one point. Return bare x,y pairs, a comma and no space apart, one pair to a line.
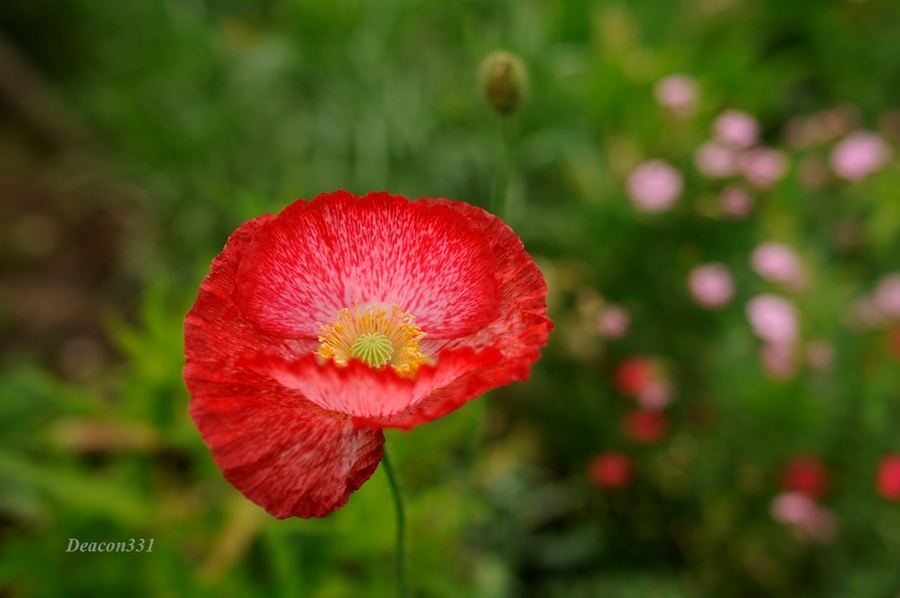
711,285
763,166
823,527
793,508
776,262
613,321
715,160
887,295
865,313
820,355
804,514
676,92
737,203
654,186
736,128
859,155
779,360
656,395
772,318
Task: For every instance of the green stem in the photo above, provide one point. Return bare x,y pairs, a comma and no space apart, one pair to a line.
402,590
504,165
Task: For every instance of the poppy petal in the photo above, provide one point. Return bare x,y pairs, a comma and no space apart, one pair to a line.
359,390
518,332
279,449
319,257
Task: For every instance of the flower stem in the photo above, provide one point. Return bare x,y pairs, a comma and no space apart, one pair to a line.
504,165
402,590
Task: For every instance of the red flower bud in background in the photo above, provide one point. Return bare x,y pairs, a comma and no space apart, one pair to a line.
888,482
611,470
645,426
633,375
807,475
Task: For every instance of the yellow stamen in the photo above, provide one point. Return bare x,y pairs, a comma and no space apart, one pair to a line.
375,336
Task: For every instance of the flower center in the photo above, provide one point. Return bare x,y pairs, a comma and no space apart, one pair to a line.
374,348
377,337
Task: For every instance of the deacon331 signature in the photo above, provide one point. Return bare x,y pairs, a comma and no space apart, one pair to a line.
131,545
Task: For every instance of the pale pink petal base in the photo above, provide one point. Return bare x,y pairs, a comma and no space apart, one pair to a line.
361,391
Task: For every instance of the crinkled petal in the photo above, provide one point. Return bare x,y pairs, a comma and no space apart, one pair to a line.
319,257
518,332
279,449
359,390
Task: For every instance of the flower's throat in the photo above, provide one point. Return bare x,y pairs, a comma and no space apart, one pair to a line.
376,336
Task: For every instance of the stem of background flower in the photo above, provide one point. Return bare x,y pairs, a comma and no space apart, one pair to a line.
504,165
402,590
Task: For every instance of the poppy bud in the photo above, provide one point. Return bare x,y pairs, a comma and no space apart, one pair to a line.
807,475
503,82
611,470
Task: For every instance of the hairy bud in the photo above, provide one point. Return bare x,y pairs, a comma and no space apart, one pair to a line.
503,82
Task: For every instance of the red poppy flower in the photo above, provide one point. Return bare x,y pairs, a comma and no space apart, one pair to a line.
888,482
807,475
611,470
320,326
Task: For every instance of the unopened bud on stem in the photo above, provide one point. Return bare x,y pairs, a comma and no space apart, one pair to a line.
503,82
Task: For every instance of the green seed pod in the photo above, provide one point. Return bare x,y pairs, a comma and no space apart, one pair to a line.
503,81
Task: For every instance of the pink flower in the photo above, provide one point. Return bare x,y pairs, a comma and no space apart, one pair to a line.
613,321
772,318
656,395
859,155
716,160
776,262
865,313
887,295
793,508
676,92
654,186
778,359
763,167
888,481
711,285
611,470
802,512
736,202
736,128
820,355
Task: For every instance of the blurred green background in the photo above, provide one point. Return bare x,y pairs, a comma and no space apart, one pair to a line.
135,136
